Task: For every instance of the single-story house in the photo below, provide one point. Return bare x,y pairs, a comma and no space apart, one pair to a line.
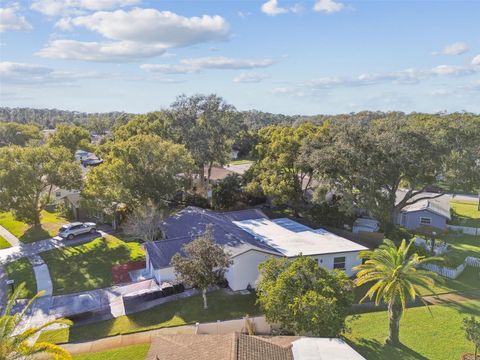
250,237
237,346
433,213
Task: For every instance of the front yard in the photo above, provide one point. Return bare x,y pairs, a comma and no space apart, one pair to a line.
424,336
21,272
89,266
50,223
221,306
465,213
132,352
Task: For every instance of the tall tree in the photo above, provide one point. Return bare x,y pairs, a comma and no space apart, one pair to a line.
227,192
134,171
204,263
279,171
17,343
71,137
27,176
304,297
367,163
18,134
396,278
206,125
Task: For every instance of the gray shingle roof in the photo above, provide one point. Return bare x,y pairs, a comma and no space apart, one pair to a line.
189,223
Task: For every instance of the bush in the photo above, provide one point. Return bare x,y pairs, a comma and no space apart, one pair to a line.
196,200
399,233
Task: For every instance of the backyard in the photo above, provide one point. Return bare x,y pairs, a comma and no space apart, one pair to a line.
465,213
50,223
221,306
132,352
424,335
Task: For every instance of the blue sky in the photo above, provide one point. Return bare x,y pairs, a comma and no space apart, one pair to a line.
292,57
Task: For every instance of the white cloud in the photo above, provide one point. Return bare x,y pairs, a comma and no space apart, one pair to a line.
271,8
456,70
476,60
328,6
64,7
118,51
457,48
167,69
22,73
135,34
10,21
198,64
250,78
221,62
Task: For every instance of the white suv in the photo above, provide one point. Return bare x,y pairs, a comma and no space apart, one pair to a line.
69,231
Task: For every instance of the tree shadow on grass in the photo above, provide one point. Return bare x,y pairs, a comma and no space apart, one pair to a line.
34,233
375,350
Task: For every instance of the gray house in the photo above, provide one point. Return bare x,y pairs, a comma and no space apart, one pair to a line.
429,212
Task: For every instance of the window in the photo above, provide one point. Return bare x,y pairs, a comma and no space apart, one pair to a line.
58,193
425,221
339,263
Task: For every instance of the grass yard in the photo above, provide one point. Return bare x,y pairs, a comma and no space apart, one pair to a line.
4,243
221,306
50,223
89,266
132,352
424,336
465,213
240,162
21,271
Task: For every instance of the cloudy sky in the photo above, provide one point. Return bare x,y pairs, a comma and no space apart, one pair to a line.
292,57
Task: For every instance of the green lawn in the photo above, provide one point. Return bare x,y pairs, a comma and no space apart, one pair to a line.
50,223
465,213
222,306
132,352
89,266
424,336
21,271
240,162
4,243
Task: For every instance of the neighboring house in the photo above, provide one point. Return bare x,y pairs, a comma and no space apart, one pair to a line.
217,173
234,154
364,224
237,346
433,213
250,238
87,158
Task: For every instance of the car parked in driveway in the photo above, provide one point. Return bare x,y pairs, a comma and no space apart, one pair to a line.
69,231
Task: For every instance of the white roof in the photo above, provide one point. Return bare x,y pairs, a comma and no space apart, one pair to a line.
291,238
309,348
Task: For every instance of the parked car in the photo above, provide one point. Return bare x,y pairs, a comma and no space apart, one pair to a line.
69,231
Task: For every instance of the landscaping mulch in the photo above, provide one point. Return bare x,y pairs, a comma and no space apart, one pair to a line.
120,272
470,356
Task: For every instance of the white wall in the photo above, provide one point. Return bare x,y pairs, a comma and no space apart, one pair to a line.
351,260
244,269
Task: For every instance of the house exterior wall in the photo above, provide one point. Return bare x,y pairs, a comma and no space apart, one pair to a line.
351,260
244,270
411,220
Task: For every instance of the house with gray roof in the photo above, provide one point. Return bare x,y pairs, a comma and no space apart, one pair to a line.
432,213
250,238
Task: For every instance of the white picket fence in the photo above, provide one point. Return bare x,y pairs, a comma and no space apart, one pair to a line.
451,273
472,261
465,229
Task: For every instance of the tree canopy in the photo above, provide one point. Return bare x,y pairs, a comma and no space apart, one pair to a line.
27,175
304,297
18,134
71,137
204,263
142,168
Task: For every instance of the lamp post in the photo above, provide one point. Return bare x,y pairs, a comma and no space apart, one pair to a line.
433,241
11,282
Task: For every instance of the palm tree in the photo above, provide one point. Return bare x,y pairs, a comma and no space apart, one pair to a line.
397,278
16,343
